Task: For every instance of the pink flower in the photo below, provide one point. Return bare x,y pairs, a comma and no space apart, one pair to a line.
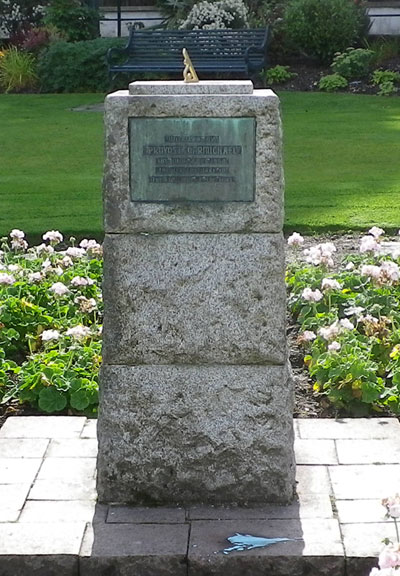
75,252
330,332
371,271
334,346
78,332
17,234
376,232
44,248
309,335
81,281
53,236
59,289
389,557
350,266
328,284
311,295
392,506
369,244
346,324
35,277
7,279
295,239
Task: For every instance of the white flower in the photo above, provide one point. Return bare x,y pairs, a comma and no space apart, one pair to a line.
6,279
75,252
390,271
309,335
46,264
369,244
58,271
14,268
35,277
295,239
19,244
350,266
329,332
59,289
311,295
354,311
79,332
327,249
334,346
17,234
330,284
66,262
346,324
86,305
47,335
89,244
81,281
320,254
53,236
376,232
392,506
44,248
371,271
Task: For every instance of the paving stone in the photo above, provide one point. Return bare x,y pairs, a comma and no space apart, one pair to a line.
365,540
318,552
12,499
312,480
140,515
352,428
41,538
43,427
73,469
72,448
357,511
315,451
310,506
49,565
63,490
368,481
295,428
383,451
53,511
142,549
13,470
23,447
90,429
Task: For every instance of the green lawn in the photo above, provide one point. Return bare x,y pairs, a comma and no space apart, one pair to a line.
342,163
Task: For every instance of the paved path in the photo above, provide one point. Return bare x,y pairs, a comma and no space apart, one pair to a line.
51,526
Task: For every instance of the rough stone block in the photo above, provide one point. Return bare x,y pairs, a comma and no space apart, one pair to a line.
194,299
173,434
29,565
264,215
140,515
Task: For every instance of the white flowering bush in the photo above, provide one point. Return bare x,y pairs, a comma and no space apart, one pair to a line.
19,15
50,322
215,15
349,322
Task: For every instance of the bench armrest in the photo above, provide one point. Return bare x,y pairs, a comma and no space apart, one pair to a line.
113,53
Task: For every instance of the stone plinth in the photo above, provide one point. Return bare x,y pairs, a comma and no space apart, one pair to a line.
196,393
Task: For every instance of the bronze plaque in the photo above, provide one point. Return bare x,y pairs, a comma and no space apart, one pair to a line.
192,159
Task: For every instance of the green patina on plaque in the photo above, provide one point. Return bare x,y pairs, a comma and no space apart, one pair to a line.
192,159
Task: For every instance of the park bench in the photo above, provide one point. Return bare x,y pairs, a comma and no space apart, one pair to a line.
241,52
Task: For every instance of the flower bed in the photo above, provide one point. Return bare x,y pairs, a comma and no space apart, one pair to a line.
349,323
50,323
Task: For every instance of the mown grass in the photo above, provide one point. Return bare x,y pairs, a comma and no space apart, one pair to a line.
341,152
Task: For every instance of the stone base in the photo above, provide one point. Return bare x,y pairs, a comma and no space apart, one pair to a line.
192,434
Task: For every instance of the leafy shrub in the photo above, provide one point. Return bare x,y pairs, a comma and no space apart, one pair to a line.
219,14
19,15
353,64
76,67
385,48
349,324
50,332
278,75
323,27
387,88
381,76
74,19
17,70
332,83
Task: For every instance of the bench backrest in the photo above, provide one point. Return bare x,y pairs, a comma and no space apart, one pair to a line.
162,45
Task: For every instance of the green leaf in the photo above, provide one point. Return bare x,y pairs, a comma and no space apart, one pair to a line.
52,400
79,400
